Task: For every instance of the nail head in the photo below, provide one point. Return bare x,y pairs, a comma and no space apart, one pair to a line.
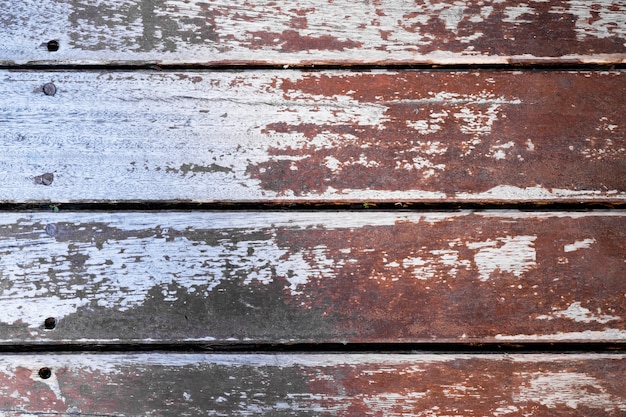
44,179
51,229
45,373
53,46
50,323
49,89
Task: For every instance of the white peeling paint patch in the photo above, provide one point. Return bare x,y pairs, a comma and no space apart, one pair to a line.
602,149
499,151
579,314
513,14
477,121
587,335
508,192
476,115
431,125
572,389
606,125
52,382
332,163
336,165
501,411
604,19
435,264
579,244
459,391
421,268
509,254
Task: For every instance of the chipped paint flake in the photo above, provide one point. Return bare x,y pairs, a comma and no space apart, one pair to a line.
579,314
600,20
586,335
513,14
579,244
509,254
499,151
571,389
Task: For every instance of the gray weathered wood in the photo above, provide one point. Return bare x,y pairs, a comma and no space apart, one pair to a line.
256,277
314,32
314,385
283,136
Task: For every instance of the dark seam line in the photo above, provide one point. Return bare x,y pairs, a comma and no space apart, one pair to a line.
318,67
313,348
313,206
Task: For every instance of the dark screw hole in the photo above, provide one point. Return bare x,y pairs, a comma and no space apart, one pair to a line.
45,373
50,323
53,46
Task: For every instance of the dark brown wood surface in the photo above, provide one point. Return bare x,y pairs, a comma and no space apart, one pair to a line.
209,32
330,136
276,277
575,385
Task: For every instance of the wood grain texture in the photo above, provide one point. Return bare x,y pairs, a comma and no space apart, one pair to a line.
314,385
314,32
331,136
274,277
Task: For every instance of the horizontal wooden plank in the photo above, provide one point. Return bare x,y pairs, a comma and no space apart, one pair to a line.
212,32
289,136
313,385
273,277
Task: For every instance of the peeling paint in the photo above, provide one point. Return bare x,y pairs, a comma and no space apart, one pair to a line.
510,254
580,314
320,32
317,136
571,389
342,384
347,276
579,244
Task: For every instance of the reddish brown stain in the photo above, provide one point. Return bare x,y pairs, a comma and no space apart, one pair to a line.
548,30
299,23
468,387
292,41
27,391
541,33
375,295
561,114
471,386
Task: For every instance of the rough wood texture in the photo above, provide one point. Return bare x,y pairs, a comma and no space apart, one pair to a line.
314,32
313,136
314,385
275,277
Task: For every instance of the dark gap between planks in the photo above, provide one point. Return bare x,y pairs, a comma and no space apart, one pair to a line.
576,206
253,348
313,348
252,67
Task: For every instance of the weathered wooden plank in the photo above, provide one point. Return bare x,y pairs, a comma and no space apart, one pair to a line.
314,32
284,136
313,385
313,277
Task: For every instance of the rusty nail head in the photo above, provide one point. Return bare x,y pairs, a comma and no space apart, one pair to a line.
49,89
